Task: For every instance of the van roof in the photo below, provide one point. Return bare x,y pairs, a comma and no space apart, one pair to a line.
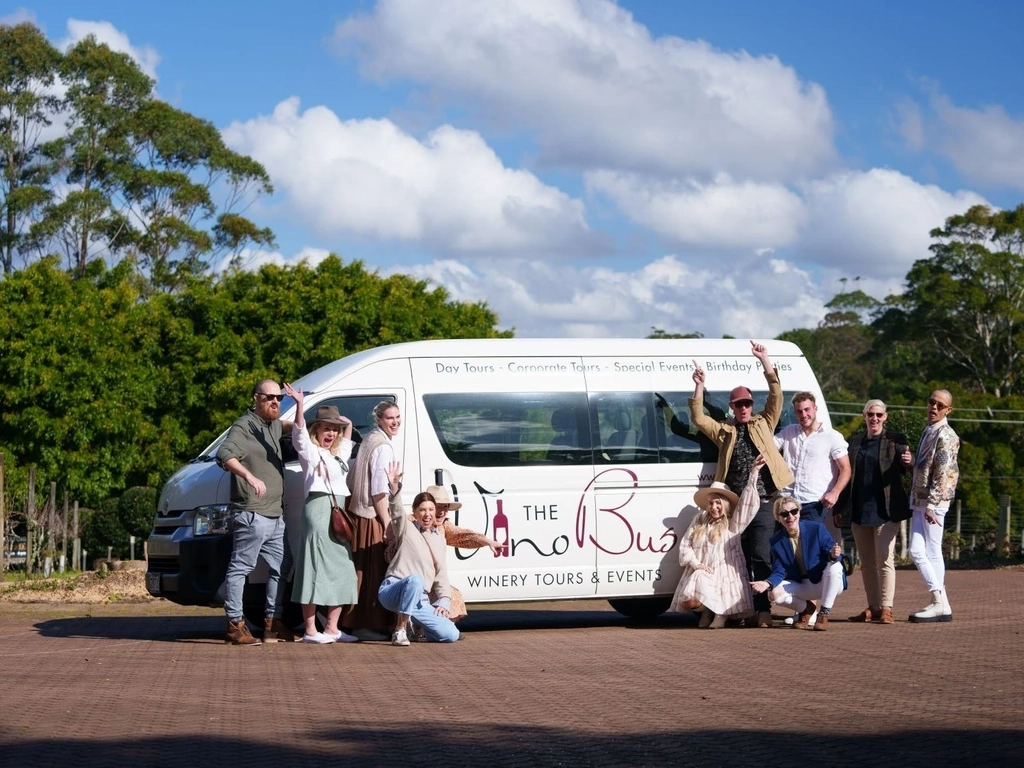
588,347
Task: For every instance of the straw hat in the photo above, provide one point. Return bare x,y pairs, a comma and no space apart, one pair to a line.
440,494
700,498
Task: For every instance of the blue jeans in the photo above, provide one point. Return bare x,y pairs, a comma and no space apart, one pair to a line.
409,597
254,535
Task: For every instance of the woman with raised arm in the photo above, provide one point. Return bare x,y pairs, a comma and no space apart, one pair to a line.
324,573
368,482
418,570
714,578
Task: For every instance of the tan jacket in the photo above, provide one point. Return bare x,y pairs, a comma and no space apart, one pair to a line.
762,433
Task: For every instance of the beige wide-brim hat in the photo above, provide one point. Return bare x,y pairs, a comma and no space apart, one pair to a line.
700,498
440,494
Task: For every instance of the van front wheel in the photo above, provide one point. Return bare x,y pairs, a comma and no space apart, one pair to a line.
644,608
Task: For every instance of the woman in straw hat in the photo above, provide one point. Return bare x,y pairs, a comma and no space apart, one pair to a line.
714,572
463,538
324,573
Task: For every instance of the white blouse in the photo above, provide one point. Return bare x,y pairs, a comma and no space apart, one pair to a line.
315,460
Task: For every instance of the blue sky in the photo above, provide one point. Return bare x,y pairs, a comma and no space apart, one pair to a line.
591,168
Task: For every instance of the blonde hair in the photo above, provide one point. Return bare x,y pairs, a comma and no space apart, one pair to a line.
874,403
704,525
313,428
781,502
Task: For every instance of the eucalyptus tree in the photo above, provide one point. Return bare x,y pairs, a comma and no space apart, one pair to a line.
28,102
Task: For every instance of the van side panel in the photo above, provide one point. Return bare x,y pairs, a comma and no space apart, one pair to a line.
510,437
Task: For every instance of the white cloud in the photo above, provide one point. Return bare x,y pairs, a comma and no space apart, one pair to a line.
562,299
597,90
19,16
875,223
910,124
986,145
718,214
368,178
146,57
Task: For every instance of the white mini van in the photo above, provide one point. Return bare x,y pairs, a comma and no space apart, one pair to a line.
575,454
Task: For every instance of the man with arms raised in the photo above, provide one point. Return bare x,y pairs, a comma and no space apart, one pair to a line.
740,440
251,452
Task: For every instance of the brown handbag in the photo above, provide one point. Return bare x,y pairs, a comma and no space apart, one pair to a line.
342,524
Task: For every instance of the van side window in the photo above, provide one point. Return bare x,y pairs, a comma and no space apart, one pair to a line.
511,429
623,428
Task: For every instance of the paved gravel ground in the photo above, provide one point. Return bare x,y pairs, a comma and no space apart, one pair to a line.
529,685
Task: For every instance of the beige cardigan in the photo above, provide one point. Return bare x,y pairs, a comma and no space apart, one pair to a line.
419,552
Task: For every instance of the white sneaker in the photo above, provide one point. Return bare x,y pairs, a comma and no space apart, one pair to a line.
946,610
400,638
368,634
342,637
318,639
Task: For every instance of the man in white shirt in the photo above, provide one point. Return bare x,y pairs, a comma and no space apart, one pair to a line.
817,456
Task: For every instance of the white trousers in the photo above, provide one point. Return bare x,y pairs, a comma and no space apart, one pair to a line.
926,547
795,594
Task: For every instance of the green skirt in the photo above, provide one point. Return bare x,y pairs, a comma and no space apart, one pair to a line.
324,573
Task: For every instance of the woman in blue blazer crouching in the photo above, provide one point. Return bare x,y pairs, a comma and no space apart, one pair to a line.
806,566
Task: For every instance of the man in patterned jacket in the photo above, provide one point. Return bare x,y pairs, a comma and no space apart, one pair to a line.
934,485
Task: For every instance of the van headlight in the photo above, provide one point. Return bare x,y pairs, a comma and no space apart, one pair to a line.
212,520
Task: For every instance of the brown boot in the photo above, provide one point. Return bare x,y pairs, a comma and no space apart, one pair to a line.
275,630
238,634
886,617
804,618
866,615
822,623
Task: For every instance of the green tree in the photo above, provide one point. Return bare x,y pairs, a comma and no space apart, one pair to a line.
838,348
964,306
660,333
104,88
28,66
141,179
78,377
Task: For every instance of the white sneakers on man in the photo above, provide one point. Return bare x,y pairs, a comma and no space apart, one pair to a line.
937,610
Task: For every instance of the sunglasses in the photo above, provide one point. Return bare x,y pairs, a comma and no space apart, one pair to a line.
742,403
265,396
941,406
789,513
874,415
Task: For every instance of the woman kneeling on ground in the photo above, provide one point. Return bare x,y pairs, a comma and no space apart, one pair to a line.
461,538
418,570
806,566
714,572
324,572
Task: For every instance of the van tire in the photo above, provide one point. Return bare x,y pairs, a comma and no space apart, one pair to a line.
642,608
